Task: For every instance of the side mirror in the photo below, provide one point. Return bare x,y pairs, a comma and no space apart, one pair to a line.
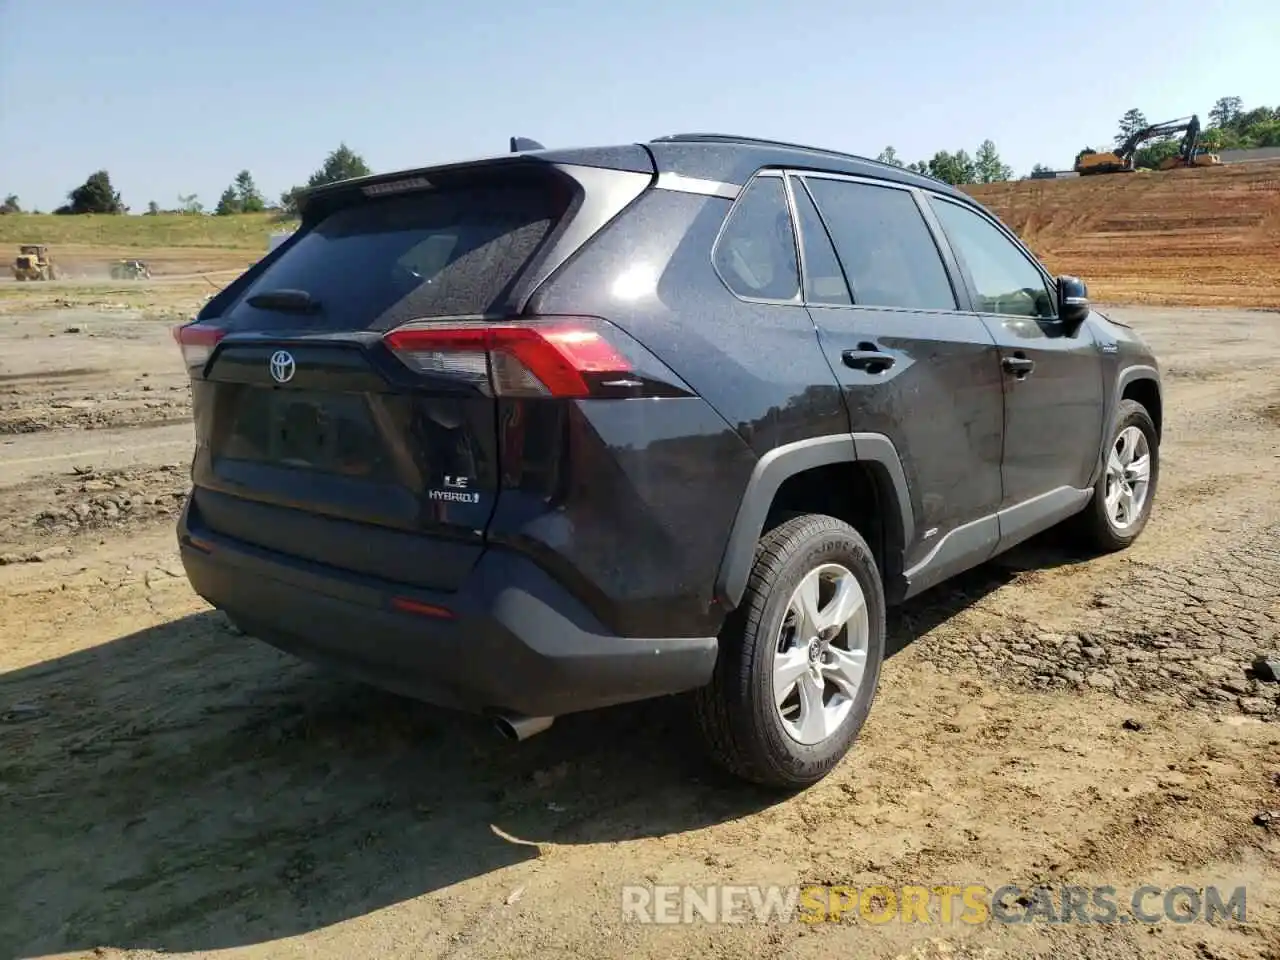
1073,301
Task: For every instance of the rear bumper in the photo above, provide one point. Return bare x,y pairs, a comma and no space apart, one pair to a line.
517,641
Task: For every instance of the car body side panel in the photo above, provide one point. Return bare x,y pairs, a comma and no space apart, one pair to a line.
1053,416
1125,359
628,503
757,364
940,405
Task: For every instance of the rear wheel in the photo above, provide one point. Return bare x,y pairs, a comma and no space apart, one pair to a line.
1125,489
800,660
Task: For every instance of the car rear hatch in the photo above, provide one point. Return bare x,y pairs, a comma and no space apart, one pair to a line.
344,387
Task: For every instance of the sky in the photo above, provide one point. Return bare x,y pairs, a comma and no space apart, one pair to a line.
176,98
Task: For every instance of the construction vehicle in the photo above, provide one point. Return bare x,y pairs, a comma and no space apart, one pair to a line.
1121,159
33,263
1190,153
130,270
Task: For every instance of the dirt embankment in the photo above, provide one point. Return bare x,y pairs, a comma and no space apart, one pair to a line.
1208,237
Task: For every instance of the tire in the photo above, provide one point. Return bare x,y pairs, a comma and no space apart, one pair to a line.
742,728
1097,525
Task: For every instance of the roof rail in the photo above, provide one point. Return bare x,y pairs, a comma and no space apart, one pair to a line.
764,142
759,141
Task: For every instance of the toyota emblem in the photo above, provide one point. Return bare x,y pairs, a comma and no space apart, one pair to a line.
282,366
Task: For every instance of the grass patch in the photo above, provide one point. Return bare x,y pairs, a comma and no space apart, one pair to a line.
243,232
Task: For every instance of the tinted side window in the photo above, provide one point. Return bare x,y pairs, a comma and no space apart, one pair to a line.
823,279
887,251
756,252
1005,280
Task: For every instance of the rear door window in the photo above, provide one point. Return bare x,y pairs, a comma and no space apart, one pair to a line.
382,262
884,245
756,252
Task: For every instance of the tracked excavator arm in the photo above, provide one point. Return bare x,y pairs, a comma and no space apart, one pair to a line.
1121,159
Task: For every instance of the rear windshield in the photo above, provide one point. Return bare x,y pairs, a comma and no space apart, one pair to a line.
386,261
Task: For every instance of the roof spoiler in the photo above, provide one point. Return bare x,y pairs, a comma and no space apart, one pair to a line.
519,144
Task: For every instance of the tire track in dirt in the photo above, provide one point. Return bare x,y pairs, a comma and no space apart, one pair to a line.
53,452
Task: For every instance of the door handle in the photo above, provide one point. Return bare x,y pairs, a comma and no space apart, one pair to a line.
1019,366
872,361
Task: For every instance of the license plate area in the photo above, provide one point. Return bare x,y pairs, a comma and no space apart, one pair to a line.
323,432
302,433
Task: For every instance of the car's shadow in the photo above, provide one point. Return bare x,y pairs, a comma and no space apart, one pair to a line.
184,788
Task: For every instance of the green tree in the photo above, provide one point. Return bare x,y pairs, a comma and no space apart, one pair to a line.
250,199
989,168
95,195
153,209
1132,121
1153,154
342,164
228,203
1040,168
1225,111
890,156
1248,119
1266,133
953,168
190,204
290,199
11,204
1212,139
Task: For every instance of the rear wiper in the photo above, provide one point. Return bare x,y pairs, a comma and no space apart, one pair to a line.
286,301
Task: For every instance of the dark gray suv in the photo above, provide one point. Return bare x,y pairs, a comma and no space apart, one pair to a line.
561,429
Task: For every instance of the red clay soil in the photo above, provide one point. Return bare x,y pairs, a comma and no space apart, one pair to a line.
1208,237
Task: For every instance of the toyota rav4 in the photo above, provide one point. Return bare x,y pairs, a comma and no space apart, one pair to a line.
560,429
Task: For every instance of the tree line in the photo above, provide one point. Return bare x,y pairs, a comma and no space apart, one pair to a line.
97,195
1231,127
985,166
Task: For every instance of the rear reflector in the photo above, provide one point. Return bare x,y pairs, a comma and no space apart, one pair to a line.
409,605
204,546
197,340
545,356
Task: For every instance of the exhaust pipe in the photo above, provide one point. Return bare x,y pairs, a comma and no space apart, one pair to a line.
517,727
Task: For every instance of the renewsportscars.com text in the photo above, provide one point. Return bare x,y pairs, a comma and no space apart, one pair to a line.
944,904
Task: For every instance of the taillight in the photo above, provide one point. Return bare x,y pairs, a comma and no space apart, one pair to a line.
197,340
562,357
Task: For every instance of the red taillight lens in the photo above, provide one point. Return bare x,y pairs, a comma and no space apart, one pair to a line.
197,340
549,357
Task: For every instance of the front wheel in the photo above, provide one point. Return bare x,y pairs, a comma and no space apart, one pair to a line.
1123,495
800,658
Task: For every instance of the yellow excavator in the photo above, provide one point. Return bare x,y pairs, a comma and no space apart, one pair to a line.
1121,160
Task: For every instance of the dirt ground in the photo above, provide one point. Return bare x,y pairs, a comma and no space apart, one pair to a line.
169,786
78,262
1207,237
